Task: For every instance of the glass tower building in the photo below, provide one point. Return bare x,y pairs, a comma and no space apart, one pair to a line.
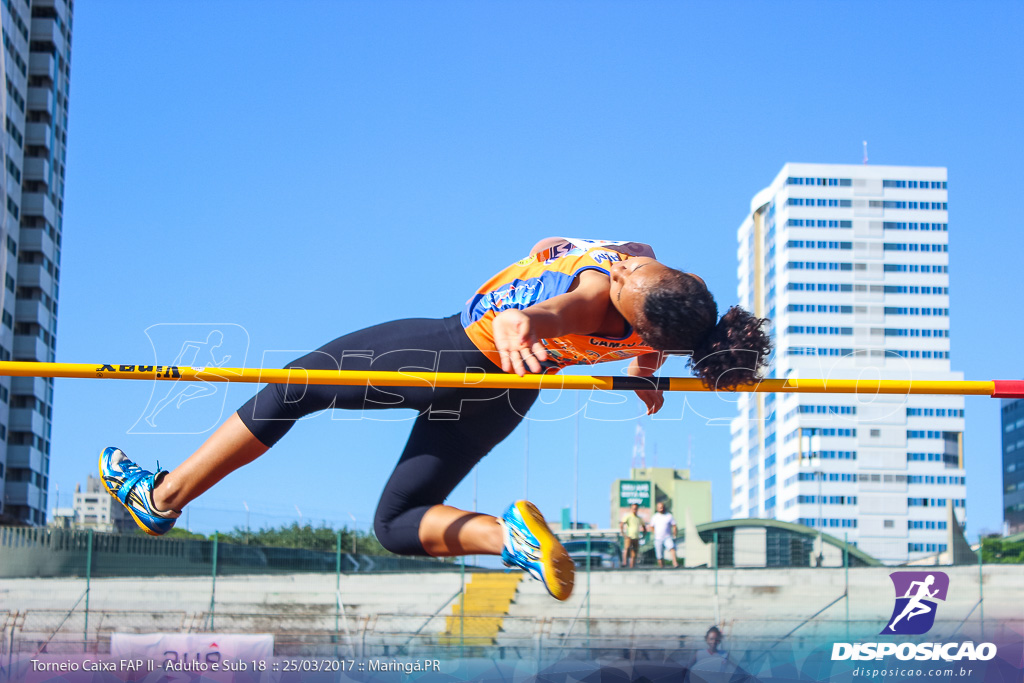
850,263
37,68
1013,464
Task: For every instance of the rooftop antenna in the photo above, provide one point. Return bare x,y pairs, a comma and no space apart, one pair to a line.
638,447
865,151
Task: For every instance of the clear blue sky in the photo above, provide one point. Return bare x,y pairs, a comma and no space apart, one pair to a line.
301,170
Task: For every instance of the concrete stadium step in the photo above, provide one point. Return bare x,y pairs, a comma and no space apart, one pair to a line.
469,625
400,592
378,597
405,624
274,623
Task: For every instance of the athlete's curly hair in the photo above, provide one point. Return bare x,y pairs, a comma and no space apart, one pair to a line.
679,316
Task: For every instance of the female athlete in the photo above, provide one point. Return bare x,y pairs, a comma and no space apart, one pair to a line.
571,301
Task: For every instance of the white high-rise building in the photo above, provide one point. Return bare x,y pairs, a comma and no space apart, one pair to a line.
851,265
36,60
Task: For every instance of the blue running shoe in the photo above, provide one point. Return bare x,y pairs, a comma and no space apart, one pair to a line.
530,545
133,486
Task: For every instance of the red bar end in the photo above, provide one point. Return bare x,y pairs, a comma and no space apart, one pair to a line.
1008,388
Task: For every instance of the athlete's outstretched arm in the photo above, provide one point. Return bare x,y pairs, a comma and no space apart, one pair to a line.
517,333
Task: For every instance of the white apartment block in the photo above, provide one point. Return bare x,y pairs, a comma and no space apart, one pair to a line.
850,262
36,60
93,509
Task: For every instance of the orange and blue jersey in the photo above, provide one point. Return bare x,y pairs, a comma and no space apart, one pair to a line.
543,276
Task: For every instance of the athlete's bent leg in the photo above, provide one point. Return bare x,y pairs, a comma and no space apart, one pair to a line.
446,531
411,517
229,448
154,499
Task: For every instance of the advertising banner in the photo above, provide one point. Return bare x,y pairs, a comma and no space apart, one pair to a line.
216,656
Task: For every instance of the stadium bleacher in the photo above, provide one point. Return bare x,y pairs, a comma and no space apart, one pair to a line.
650,611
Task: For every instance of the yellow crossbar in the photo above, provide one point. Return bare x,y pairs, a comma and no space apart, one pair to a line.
298,376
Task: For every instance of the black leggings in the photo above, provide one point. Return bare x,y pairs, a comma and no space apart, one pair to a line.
456,427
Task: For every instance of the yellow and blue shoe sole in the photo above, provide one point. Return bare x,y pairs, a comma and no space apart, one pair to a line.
114,494
557,567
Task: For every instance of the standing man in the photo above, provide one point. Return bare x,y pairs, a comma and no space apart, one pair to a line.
664,535
631,526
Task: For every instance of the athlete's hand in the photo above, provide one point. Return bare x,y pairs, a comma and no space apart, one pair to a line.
518,347
645,366
653,399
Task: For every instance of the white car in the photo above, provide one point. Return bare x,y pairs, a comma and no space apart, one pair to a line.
603,553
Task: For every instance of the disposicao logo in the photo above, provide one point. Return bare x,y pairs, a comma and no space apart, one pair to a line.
916,595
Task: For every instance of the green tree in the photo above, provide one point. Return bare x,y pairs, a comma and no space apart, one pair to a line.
323,537
995,550
177,532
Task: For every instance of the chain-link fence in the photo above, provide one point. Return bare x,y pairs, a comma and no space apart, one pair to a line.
39,552
68,592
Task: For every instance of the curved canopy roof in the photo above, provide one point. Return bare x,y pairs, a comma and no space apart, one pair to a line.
793,528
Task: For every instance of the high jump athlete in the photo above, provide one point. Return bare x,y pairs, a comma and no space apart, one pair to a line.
571,301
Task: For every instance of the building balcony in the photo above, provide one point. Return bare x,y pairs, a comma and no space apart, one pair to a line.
58,6
42,64
863,227
862,209
864,251
867,292
23,493
32,311
37,239
25,456
41,99
38,134
861,314
867,187
868,271
38,204
34,275
28,386
868,336
36,168
30,348
25,420
46,30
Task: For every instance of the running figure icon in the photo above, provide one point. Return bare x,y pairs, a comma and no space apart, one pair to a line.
191,354
915,606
